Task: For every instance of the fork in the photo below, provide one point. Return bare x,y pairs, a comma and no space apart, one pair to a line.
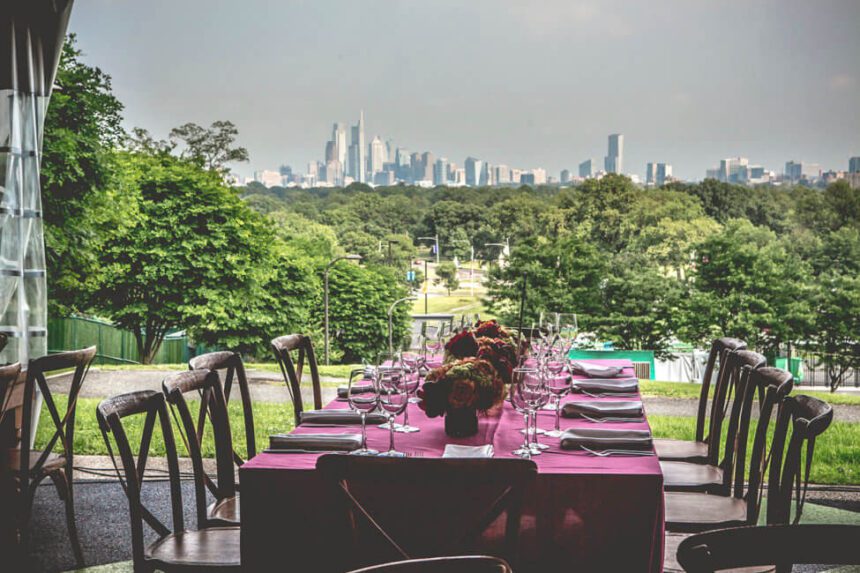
603,420
611,452
610,394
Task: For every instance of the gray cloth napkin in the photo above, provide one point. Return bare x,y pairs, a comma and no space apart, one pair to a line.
598,408
315,442
601,438
340,417
595,370
458,451
362,388
606,385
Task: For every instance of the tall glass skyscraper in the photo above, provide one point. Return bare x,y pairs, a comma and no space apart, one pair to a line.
614,160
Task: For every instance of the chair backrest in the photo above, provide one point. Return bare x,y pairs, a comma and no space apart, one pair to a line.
719,348
207,385
283,346
801,420
8,376
421,507
110,414
783,545
232,363
64,425
460,564
726,399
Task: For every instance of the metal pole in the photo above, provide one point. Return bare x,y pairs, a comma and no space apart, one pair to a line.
426,285
325,298
437,249
471,270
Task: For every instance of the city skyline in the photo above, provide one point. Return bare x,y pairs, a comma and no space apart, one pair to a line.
686,83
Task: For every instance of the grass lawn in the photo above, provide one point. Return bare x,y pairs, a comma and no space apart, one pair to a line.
333,371
446,304
691,391
837,452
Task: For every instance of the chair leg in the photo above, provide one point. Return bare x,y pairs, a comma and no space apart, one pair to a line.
66,493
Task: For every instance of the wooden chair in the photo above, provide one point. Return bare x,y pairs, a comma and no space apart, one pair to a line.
232,363
418,507
34,466
283,346
205,383
462,564
214,548
8,376
9,551
808,417
716,477
696,451
784,545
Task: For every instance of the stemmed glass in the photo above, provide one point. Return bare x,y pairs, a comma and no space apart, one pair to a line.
567,327
362,400
407,381
414,364
393,399
535,394
558,385
519,404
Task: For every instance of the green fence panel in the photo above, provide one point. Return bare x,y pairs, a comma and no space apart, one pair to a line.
632,355
796,368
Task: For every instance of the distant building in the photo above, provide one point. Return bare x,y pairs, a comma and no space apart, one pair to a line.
539,176
800,171
731,168
268,178
586,168
503,174
377,156
614,160
440,171
459,176
527,179
486,177
330,151
358,152
404,165
338,135
383,178
473,171
854,165
427,162
854,180
564,176
657,173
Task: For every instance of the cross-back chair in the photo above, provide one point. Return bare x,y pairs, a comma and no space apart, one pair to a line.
283,347
215,548
206,384
696,451
234,367
415,507
34,466
459,564
716,477
693,512
783,545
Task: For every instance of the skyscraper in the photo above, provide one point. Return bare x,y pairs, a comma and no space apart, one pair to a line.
650,173
403,171
564,176
330,151
586,168
440,171
854,165
473,171
377,156
358,152
427,162
338,135
731,168
614,160
664,173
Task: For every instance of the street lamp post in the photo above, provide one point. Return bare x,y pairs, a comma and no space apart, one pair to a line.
471,264
325,295
435,239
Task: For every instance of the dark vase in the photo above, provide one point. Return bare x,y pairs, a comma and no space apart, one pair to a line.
461,422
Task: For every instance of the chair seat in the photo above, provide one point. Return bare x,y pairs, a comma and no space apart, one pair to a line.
681,476
52,462
225,511
671,565
694,512
212,548
682,451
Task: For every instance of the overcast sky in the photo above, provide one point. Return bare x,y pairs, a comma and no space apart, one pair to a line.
525,83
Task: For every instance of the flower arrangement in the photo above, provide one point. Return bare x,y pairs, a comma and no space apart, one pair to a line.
478,363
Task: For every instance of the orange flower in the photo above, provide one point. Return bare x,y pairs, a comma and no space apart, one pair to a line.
463,394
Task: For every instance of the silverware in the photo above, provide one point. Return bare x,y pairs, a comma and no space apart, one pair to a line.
610,394
612,452
613,419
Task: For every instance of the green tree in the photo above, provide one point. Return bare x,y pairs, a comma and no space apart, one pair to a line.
211,147
446,273
80,210
190,249
749,285
835,335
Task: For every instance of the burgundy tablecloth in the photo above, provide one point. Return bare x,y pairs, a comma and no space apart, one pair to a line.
584,513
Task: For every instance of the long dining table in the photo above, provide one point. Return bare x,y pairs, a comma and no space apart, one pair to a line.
582,513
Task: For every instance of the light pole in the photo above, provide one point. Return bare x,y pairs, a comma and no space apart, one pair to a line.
390,320
325,294
435,239
471,264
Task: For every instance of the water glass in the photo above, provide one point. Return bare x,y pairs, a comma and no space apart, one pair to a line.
393,400
558,386
363,396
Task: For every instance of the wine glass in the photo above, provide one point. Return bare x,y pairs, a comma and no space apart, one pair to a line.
409,380
535,394
393,399
568,328
519,404
389,367
362,398
414,364
558,385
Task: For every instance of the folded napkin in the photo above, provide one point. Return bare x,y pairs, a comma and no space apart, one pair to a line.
606,385
598,408
601,438
340,417
458,451
315,442
595,370
363,388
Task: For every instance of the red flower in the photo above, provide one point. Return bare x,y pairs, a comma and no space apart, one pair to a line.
462,345
490,329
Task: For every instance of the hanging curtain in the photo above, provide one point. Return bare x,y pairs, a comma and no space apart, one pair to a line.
31,39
